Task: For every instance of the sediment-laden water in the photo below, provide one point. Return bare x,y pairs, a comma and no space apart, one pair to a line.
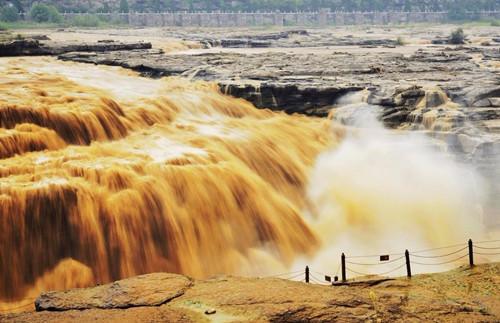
106,175
127,175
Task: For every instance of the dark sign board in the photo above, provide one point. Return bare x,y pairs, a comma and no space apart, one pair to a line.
384,258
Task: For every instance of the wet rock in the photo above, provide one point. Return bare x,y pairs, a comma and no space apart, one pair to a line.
32,47
434,99
482,96
243,43
439,57
310,83
468,143
440,41
394,117
494,102
372,42
250,40
409,97
491,53
145,290
286,38
20,47
289,97
39,37
482,114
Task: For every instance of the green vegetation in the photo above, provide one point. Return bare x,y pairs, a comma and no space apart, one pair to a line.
43,16
40,13
48,16
9,14
124,6
43,13
457,37
457,12
46,13
54,15
20,24
457,8
86,21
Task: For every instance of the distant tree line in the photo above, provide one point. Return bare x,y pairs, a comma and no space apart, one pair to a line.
455,7
255,5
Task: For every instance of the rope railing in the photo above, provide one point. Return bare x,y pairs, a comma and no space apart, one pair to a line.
285,274
295,276
486,247
439,256
441,263
372,256
487,252
374,264
438,248
313,276
376,274
488,241
317,280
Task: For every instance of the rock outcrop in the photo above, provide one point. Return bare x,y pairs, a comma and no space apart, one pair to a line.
145,290
312,83
460,295
302,81
310,99
35,47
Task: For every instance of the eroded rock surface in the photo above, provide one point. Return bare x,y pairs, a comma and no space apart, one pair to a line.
36,47
467,295
311,83
450,92
145,290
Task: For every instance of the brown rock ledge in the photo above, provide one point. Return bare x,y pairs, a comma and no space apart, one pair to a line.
145,290
460,295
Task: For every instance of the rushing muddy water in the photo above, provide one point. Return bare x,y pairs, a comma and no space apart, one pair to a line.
132,175
106,175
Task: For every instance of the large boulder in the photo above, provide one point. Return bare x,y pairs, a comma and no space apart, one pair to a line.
146,290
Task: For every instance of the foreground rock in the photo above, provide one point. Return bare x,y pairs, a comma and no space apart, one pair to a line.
466,295
145,290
